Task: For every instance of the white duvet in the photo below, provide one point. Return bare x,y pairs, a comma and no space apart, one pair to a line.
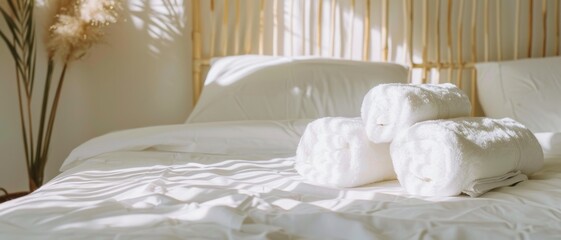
171,193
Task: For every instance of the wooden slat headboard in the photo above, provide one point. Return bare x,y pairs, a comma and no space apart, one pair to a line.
440,40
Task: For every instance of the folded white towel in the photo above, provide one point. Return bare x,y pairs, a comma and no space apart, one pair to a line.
446,157
390,108
480,186
336,152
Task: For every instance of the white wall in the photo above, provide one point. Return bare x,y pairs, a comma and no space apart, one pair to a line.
140,76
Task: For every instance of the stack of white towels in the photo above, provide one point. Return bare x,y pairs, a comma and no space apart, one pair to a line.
423,135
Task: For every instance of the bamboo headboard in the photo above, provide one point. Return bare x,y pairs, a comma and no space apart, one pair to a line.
440,40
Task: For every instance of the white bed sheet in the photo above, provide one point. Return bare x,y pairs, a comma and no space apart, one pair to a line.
167,195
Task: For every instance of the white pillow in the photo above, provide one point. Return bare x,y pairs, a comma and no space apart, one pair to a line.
551,143
270,138
527,90
275,88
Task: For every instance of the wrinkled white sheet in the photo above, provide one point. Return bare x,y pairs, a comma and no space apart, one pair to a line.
166,195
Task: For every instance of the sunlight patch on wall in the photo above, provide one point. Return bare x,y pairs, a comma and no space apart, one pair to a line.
40,3
162,20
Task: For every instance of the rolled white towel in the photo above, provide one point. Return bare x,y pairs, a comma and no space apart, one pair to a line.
336,152
448,157
390,108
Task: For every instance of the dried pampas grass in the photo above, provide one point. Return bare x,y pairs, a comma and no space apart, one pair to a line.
76,26
79,24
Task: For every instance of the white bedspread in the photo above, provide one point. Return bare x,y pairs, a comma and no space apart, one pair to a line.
164,195
137,192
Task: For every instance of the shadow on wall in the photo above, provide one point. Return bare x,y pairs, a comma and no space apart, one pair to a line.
145,81
162,21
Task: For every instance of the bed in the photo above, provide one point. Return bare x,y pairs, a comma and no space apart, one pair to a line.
228,172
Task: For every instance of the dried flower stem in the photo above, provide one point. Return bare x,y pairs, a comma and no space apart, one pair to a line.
40,160
52,116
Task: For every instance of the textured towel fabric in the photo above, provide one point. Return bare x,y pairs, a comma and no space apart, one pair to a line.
390,108
336,152
446,157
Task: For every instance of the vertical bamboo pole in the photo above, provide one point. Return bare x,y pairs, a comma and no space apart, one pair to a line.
473,31
498,21
410,35
408,5
351,40
303,27
460,35
517,29
385,27
366,33
449,40
544,25
224,30
332,40
473,49
438,47
275,28
319,27
557,29
425,39
486,30
342,37
406,46
237,29
197,49
530,27
292,33
212,28
249,29
261,26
